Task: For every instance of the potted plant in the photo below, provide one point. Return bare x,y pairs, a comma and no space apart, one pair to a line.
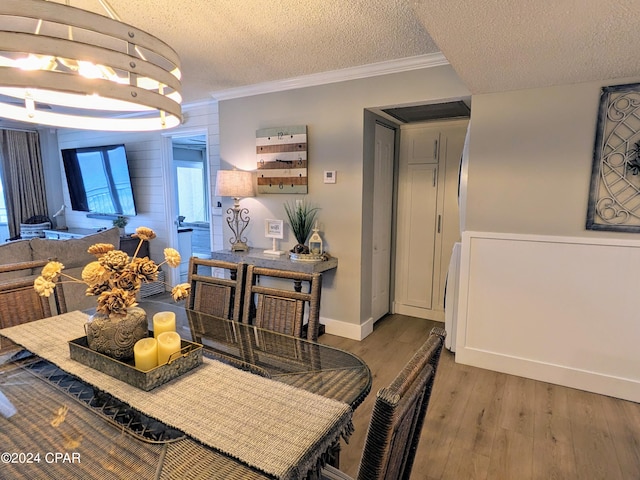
301,219
121,222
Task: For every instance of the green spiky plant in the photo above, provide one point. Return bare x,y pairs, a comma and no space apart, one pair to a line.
120,222
301,219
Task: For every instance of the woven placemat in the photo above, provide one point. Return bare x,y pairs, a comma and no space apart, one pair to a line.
279,429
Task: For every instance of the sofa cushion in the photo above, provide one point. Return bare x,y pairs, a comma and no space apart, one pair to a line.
14,252
72,252
75,293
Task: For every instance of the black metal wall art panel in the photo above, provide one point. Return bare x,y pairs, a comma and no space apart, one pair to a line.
614,196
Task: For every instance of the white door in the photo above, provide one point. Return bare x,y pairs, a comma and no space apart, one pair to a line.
418,211
417,219
428,224
382,218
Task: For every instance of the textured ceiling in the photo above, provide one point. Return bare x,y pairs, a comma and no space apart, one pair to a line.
494,45
500,45
230,43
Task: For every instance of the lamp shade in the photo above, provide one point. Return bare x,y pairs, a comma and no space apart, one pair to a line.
234,183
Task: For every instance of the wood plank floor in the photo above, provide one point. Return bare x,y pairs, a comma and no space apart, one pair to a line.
488,425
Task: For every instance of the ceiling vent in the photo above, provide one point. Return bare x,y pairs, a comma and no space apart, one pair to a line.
433,111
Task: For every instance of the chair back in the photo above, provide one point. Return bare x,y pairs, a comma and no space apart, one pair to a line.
280,309
398,415
19,302
217,292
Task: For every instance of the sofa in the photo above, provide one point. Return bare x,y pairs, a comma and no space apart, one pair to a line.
72,253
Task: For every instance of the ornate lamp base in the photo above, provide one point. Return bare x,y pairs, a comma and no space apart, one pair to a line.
239,247
238,220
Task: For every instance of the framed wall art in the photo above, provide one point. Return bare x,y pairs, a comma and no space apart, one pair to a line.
614,195
282,159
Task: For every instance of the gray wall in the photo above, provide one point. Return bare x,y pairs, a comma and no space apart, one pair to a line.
530,160
334,115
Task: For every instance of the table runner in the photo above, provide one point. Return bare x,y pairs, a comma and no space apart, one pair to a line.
279,429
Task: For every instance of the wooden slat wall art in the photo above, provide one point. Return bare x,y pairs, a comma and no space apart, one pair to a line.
282,159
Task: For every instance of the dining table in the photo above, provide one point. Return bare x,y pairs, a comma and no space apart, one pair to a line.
261,405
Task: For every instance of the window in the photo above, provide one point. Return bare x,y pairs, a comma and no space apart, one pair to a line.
3,206
192,191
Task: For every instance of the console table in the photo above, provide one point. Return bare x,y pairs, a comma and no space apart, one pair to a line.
255,256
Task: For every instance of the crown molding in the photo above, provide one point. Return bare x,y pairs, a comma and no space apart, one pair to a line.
334,76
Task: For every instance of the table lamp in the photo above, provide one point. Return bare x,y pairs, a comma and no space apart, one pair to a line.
236,184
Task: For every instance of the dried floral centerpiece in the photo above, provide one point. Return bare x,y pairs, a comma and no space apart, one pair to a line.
115,278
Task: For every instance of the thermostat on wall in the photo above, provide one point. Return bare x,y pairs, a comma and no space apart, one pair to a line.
329,176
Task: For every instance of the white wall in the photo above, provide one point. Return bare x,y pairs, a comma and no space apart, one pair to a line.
334,115
148,164
560,306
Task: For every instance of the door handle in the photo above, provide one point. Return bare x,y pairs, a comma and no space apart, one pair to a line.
439,222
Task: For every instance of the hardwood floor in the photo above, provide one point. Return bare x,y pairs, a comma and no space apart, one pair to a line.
485,425
488,425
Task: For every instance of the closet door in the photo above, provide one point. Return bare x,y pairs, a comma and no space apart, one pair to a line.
382,220
428,223
417,220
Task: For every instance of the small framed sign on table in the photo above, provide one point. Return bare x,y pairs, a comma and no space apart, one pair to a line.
274,229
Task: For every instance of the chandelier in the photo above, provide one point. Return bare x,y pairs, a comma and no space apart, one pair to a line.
67,67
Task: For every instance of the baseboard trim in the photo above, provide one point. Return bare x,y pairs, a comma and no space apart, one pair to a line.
589,381
418,312
347,330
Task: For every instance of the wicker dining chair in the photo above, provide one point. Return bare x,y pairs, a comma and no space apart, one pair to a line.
397,418
220,296
19,302
280,309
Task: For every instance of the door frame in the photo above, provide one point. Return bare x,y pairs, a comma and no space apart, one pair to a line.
169,186
371,118
392,220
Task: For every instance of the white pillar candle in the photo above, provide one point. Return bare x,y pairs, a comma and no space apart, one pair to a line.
168,344
164,322
145,354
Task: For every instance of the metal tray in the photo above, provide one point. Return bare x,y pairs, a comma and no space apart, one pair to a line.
189,357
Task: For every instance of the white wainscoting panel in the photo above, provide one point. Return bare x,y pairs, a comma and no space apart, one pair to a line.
558,309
